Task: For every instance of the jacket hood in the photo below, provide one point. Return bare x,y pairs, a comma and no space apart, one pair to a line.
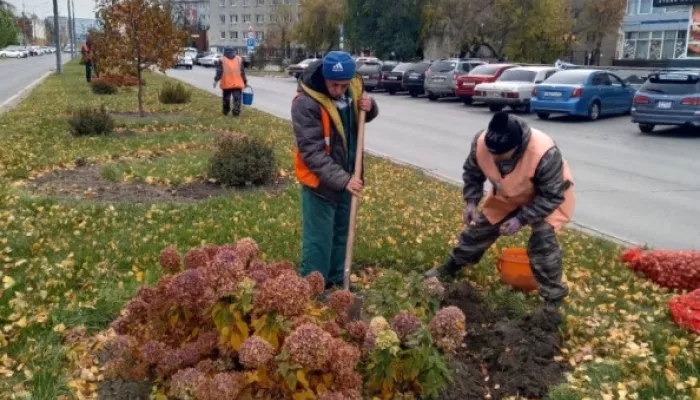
313,77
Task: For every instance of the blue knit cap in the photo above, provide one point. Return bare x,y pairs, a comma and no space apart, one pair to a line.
338,66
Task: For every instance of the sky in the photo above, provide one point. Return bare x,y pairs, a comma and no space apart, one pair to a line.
44,8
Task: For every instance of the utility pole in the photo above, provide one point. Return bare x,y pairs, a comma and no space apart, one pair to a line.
70,32
75,37
56,39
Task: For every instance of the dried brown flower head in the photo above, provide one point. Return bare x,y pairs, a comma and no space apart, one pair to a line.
448,328
317,283
196,258
356,330
170,260
405,324
255,352
341,300
287,295
309,346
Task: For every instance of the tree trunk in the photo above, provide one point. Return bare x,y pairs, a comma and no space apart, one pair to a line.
140,88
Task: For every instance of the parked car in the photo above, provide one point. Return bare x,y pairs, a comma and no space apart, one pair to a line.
212,60
9,52
513,88
371,73
414,78
387,66
481,74
441,77
297,69
583,92
184,60
392,81
667,98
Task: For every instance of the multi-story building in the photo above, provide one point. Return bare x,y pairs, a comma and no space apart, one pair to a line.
196,16
38,31
232,20
652,32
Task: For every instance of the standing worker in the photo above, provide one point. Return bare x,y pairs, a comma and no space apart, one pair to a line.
87,58
325,115
532,186
230,74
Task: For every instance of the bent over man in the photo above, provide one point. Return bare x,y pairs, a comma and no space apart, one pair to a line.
325,115
230,73
532,185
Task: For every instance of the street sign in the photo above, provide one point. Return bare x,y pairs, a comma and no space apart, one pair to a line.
251,42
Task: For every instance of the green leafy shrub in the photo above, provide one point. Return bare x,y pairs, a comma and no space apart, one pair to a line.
174,94
87,121
242,160
394,291
101,86
223,324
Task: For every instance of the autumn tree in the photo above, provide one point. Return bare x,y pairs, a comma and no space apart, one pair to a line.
318,24
139,35
596,19
8,27
385,29
279,35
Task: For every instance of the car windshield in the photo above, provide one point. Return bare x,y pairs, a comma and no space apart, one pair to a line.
369,67
388,67
484,70
402,67
672,84
307,61
569,77
443,66
518,75
419,67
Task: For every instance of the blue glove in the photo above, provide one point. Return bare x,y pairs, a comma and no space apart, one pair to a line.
511,227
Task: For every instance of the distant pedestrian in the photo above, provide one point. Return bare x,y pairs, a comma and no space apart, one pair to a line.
87,58
230,75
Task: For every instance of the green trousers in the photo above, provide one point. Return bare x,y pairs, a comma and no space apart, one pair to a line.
325,234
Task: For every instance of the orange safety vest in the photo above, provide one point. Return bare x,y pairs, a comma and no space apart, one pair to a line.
304,175
516,189
231,77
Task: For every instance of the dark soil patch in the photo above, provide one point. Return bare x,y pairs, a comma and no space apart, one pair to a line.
86,184
156,116
503,355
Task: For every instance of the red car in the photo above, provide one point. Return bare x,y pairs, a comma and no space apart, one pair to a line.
482,74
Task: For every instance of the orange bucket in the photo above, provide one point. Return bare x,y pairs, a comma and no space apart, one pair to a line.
514,268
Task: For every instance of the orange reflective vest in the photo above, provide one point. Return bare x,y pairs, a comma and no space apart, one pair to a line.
516,189
304,175
231,77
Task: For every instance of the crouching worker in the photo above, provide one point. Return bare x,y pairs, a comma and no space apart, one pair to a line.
325,115
230,74
532,186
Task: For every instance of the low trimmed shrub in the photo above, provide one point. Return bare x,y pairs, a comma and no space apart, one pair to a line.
89,121
101,86
174,94
242,160
122,80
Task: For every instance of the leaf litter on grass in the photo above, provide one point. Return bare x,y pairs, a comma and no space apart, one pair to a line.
73,265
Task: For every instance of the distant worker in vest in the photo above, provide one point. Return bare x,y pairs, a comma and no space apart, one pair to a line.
325,115
532,185
230,75
87,58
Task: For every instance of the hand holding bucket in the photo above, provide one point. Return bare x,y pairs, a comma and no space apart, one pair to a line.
248,96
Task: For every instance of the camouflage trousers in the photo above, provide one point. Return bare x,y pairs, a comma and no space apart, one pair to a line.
543,249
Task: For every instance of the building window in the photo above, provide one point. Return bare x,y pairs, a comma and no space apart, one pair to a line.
245,3
223,35
259,18
222,18
233,3
222,3
261,2
233,35
260,35
246,18
233,19
645,6
654,45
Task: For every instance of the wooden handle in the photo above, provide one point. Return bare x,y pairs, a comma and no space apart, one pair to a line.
359,153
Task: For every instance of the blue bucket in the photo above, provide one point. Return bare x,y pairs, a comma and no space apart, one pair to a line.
248,96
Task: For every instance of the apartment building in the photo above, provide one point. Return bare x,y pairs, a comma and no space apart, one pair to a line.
232,20
656,29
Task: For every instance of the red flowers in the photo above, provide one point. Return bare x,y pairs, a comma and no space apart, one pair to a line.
668,268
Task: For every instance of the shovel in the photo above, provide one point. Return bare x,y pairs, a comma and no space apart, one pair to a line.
356,307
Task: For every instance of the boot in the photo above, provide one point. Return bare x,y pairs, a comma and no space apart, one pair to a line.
552,306
446,273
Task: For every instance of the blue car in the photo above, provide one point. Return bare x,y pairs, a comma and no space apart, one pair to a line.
582,92
668,98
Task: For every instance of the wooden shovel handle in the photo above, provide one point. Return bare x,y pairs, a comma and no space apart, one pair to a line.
359,153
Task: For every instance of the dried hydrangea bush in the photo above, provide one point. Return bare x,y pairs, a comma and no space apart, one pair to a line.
223,324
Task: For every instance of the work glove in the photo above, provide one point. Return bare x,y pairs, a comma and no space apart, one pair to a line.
469,214
215,83
511,227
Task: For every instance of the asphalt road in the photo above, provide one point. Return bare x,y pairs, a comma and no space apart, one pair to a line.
640,188
17,74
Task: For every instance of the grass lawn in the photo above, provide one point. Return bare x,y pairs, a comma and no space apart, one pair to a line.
75,263
257,72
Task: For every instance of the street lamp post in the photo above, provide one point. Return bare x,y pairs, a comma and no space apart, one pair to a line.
56,39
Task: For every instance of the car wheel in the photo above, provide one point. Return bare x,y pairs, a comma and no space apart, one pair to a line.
646,128
432,97
467,101
495,107
369,89
523,109
413,93
392,92
594,111
543,115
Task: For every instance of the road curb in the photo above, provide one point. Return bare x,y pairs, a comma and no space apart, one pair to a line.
22,94
572,225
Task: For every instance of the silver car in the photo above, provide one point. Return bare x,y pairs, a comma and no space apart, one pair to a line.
441,77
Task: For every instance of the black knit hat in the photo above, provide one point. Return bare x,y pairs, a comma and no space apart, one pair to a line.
503,134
